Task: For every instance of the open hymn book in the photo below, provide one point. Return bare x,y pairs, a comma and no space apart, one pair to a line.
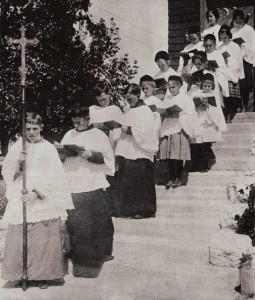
199,101
69,149
169,111
112,124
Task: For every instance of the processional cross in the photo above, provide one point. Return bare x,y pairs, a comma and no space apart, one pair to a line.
23,41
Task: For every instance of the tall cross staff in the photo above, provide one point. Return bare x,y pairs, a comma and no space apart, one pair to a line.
23,41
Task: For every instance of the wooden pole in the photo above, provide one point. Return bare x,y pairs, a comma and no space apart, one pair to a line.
23,70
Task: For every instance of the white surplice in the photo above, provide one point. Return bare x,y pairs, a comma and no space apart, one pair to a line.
247,33
44,173
143,142
100,114
85,176
235,69
187,120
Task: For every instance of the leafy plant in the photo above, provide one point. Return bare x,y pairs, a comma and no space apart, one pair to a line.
73,53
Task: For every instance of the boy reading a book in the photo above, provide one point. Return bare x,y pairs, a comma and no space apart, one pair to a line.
211,120
162,59
89,224
135,150
178,126
147,85
104,114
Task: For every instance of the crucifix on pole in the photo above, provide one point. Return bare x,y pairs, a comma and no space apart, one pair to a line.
23,42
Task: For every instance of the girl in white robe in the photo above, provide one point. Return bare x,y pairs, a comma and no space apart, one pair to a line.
135,150
235,72
219,72
162,59
212,16
195,44
211,118
176,130
247,33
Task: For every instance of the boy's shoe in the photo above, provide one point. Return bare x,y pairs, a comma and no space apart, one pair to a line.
177,183
137,217
107,258
169,184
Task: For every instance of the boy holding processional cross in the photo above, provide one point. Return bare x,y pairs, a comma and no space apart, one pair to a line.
47,200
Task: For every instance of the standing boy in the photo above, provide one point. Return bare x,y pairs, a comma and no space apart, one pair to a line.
46,203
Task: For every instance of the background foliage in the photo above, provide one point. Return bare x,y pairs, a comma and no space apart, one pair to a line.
63,67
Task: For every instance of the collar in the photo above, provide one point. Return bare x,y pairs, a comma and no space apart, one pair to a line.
36,142
86,129
139,103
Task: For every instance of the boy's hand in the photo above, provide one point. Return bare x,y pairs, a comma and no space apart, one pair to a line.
30,196
205,102
85,154
23,156
124,128
62,155
98,125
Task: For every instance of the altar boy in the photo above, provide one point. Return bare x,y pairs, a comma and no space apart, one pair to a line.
46,202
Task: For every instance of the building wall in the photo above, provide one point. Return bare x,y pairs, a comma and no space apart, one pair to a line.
143,28
182,15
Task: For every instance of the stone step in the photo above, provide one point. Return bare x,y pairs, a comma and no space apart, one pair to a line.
171,250
185,281
238,128
235,139
246,117
167,230
234,164
232,151
190,192
193,182
213,179
115,282
189,207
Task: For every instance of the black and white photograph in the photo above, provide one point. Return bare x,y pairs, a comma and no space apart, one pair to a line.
127,149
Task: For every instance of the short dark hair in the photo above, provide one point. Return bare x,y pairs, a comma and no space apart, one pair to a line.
100,88
210,37
148,79
33,118
175,78
214,11
239,14
133,88
200,55
225,28
162,55
194,29
79,110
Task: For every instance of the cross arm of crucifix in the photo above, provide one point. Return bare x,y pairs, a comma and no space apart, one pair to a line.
23,41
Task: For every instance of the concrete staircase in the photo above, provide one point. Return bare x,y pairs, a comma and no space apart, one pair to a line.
167,257
235,149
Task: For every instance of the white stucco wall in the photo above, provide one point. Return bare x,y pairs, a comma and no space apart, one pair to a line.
143,28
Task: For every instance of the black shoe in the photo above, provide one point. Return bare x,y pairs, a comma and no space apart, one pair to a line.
137,217
169,184
177,183
107,258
